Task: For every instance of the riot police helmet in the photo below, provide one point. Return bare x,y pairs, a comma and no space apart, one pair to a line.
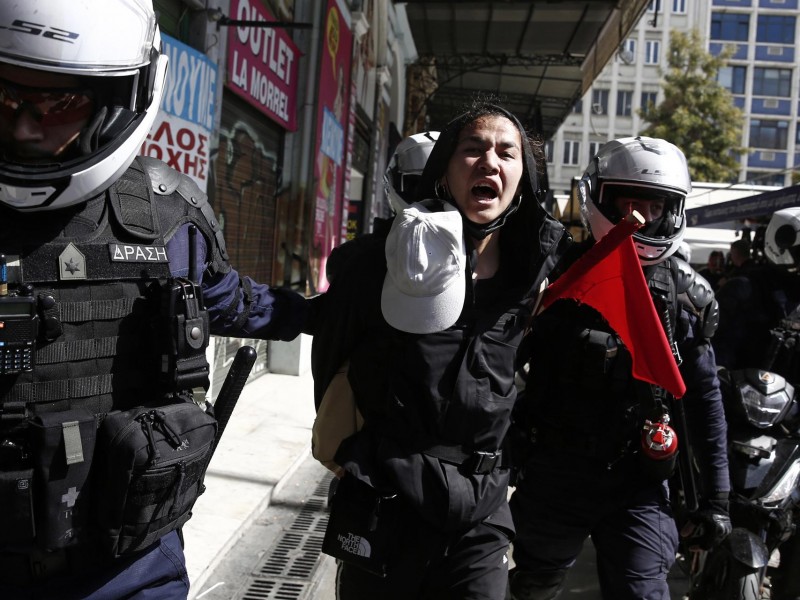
638,169
405,168
782,238
80,87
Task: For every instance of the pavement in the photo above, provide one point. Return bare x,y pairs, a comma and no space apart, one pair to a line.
266,440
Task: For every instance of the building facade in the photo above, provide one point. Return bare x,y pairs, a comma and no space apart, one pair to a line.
762,75
283,112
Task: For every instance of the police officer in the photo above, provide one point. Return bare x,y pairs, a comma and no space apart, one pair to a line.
759,325
757,300
114,273
405,168
586,474
400,181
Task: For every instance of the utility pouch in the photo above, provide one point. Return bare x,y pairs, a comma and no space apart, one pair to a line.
362,527
62,448
152,469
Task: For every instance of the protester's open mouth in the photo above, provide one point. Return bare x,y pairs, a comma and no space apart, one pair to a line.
484,192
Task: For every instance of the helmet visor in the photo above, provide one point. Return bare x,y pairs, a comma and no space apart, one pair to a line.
662,209
53,107
38,124
405,184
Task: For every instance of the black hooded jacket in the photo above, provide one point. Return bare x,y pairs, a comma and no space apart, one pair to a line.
431,402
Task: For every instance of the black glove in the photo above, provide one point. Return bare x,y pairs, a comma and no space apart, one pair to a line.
710,525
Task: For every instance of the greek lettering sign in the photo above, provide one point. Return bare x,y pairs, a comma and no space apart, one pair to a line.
184,122
263,64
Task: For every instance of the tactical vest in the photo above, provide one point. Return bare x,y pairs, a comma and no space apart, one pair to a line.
87,336
584,399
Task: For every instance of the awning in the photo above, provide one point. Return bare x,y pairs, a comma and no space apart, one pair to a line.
751,206
540,57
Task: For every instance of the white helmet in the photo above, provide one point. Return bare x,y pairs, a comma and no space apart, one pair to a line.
782,238
114,47
644,168
405,168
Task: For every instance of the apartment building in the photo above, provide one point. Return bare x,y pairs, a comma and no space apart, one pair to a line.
763,76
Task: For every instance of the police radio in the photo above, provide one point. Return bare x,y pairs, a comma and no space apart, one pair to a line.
19,326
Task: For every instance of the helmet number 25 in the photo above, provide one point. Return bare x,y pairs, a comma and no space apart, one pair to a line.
43,30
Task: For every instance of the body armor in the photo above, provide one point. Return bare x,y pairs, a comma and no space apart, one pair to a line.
584,398
107,328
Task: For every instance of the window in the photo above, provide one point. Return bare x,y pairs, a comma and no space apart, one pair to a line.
732,78
594,147
769,134
624,103
764,178
548,150
649,99
652,51
572,152
600,102
627,52
654,6
578,107
730,26
775,29
679,7
772,82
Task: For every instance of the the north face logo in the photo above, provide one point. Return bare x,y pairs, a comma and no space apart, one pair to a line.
355,544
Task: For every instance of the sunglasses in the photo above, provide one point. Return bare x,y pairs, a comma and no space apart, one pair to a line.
51,107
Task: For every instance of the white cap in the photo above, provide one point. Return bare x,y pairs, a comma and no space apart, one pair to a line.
425,283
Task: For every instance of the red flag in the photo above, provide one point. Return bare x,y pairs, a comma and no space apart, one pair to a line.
609,278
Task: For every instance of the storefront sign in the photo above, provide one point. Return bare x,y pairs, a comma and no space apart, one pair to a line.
332,129
180,134
263,64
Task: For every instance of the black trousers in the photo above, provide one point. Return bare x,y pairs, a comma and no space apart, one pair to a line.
561,501
430,564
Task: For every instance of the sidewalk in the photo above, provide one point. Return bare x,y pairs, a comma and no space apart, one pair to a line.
266,439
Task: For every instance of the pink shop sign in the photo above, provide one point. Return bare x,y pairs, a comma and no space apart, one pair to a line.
263,64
